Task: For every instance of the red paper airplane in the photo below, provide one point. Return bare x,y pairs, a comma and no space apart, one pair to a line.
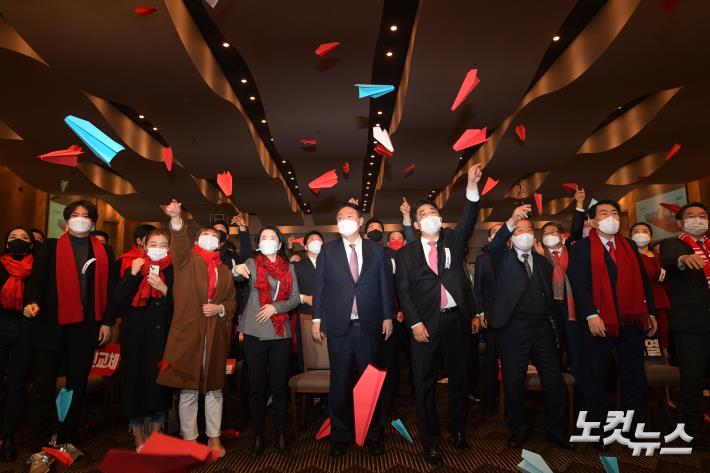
673,151
324,430
365,395
122,461
144,10
409,169
470,137
669,5
298,240
570,186
326,48
538,202
469,83
161,444
168,157
64,157
672,207
163,366
60,455
224,180
490,184
308,141
382,151
346,169
325,181
520,131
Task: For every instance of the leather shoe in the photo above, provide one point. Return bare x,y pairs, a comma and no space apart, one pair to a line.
432,455
460,442
282,445
257,448
560,442
376,447
338,449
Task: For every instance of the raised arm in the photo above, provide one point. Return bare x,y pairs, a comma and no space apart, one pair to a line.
179,241
498,246
469,217
577,229
407,228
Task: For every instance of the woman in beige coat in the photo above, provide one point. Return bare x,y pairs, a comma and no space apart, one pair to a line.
196,351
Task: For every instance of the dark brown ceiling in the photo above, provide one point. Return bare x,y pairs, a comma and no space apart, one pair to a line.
108,52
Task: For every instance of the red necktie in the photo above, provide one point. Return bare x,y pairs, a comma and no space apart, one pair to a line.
556,254
612,250
434,265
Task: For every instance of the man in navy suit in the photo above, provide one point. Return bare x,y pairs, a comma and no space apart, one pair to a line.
522,313
436,296
353,304
612,293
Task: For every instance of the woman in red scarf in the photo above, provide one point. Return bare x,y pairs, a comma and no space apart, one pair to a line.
273,293
15,348
145,296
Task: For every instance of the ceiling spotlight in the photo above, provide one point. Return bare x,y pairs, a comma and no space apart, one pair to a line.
292,178
618,108
372,155
379,112
372,164
155,128
263,120
252,98
271,139
296,187
369,174
283,161
377,124
225,44
289,172
389,54
141,117
393,28
556,38
366,194
243,81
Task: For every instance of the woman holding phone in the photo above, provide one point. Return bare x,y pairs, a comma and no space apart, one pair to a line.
145,296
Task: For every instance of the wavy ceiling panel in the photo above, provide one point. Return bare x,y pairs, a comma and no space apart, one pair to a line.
7,133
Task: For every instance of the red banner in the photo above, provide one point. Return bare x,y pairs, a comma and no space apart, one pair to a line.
106,360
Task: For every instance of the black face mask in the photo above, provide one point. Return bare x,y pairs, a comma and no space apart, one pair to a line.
375,235
19,247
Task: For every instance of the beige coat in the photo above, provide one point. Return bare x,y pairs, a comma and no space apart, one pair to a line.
192,334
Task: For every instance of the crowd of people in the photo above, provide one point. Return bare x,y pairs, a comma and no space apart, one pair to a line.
561,301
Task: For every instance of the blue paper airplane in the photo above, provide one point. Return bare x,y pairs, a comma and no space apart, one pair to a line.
373,90
63,403
533,463
592,202
97,141
399,425
611,464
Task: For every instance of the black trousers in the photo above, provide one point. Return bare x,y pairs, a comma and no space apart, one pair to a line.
693,355
16,358
391,351
365,349
597,352
570,336
490,368
449,344
474,368
76,354
520,340
274,355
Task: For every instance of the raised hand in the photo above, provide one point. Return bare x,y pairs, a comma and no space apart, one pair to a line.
136,265
474,174
173,209
406,210
238,220
520,213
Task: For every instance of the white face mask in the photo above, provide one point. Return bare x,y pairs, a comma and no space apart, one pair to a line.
550,241
347,227
609,225
695,226
314,246
523,241
430,224
79,224
208,242
641,239
269,247
156,254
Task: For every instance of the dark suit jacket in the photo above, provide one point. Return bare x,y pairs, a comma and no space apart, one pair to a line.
484,280
576,229
690,294
306,276
418,286
335,289
579,272
512,280
41,288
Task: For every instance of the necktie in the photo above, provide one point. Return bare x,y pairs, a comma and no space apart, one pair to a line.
434,265
556,254
612,250
354,271
528,268
701,244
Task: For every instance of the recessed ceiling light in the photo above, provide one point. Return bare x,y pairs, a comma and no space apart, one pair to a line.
618,108
155,128
393,28
271,139
379,112
244,81
252,98
292,178
283,161
289,172
366,194
372,155
389,54
556,38
369,174
225,44
263,120
377,124
141,117
297,188
372,164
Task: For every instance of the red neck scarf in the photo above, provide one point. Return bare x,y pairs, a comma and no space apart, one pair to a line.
13,291
630,294
280,271
693,243
560,282
213,261
128,257
653,270
70,310
145,291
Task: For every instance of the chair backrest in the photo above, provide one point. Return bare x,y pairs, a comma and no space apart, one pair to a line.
315,356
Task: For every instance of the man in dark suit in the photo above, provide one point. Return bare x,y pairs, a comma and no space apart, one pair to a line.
68,294
522,316
436,297
687,262
612,293
306,276
353,305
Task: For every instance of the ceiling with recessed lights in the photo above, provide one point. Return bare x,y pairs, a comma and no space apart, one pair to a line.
603,89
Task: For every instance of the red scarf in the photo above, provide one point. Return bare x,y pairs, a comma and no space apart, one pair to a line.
13,291
630,294
213,261
145,291
653,270
70,310
692,242
128,257
280,271
560,282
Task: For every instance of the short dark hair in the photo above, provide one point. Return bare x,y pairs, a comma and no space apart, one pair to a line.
310,234
421,203
19,227
220,222
557,225
351,206
681,212
89,206
142,231
36,230
282,251
372,220
593,208
100,233
641,224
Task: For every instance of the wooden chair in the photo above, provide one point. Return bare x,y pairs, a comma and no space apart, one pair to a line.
316,377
